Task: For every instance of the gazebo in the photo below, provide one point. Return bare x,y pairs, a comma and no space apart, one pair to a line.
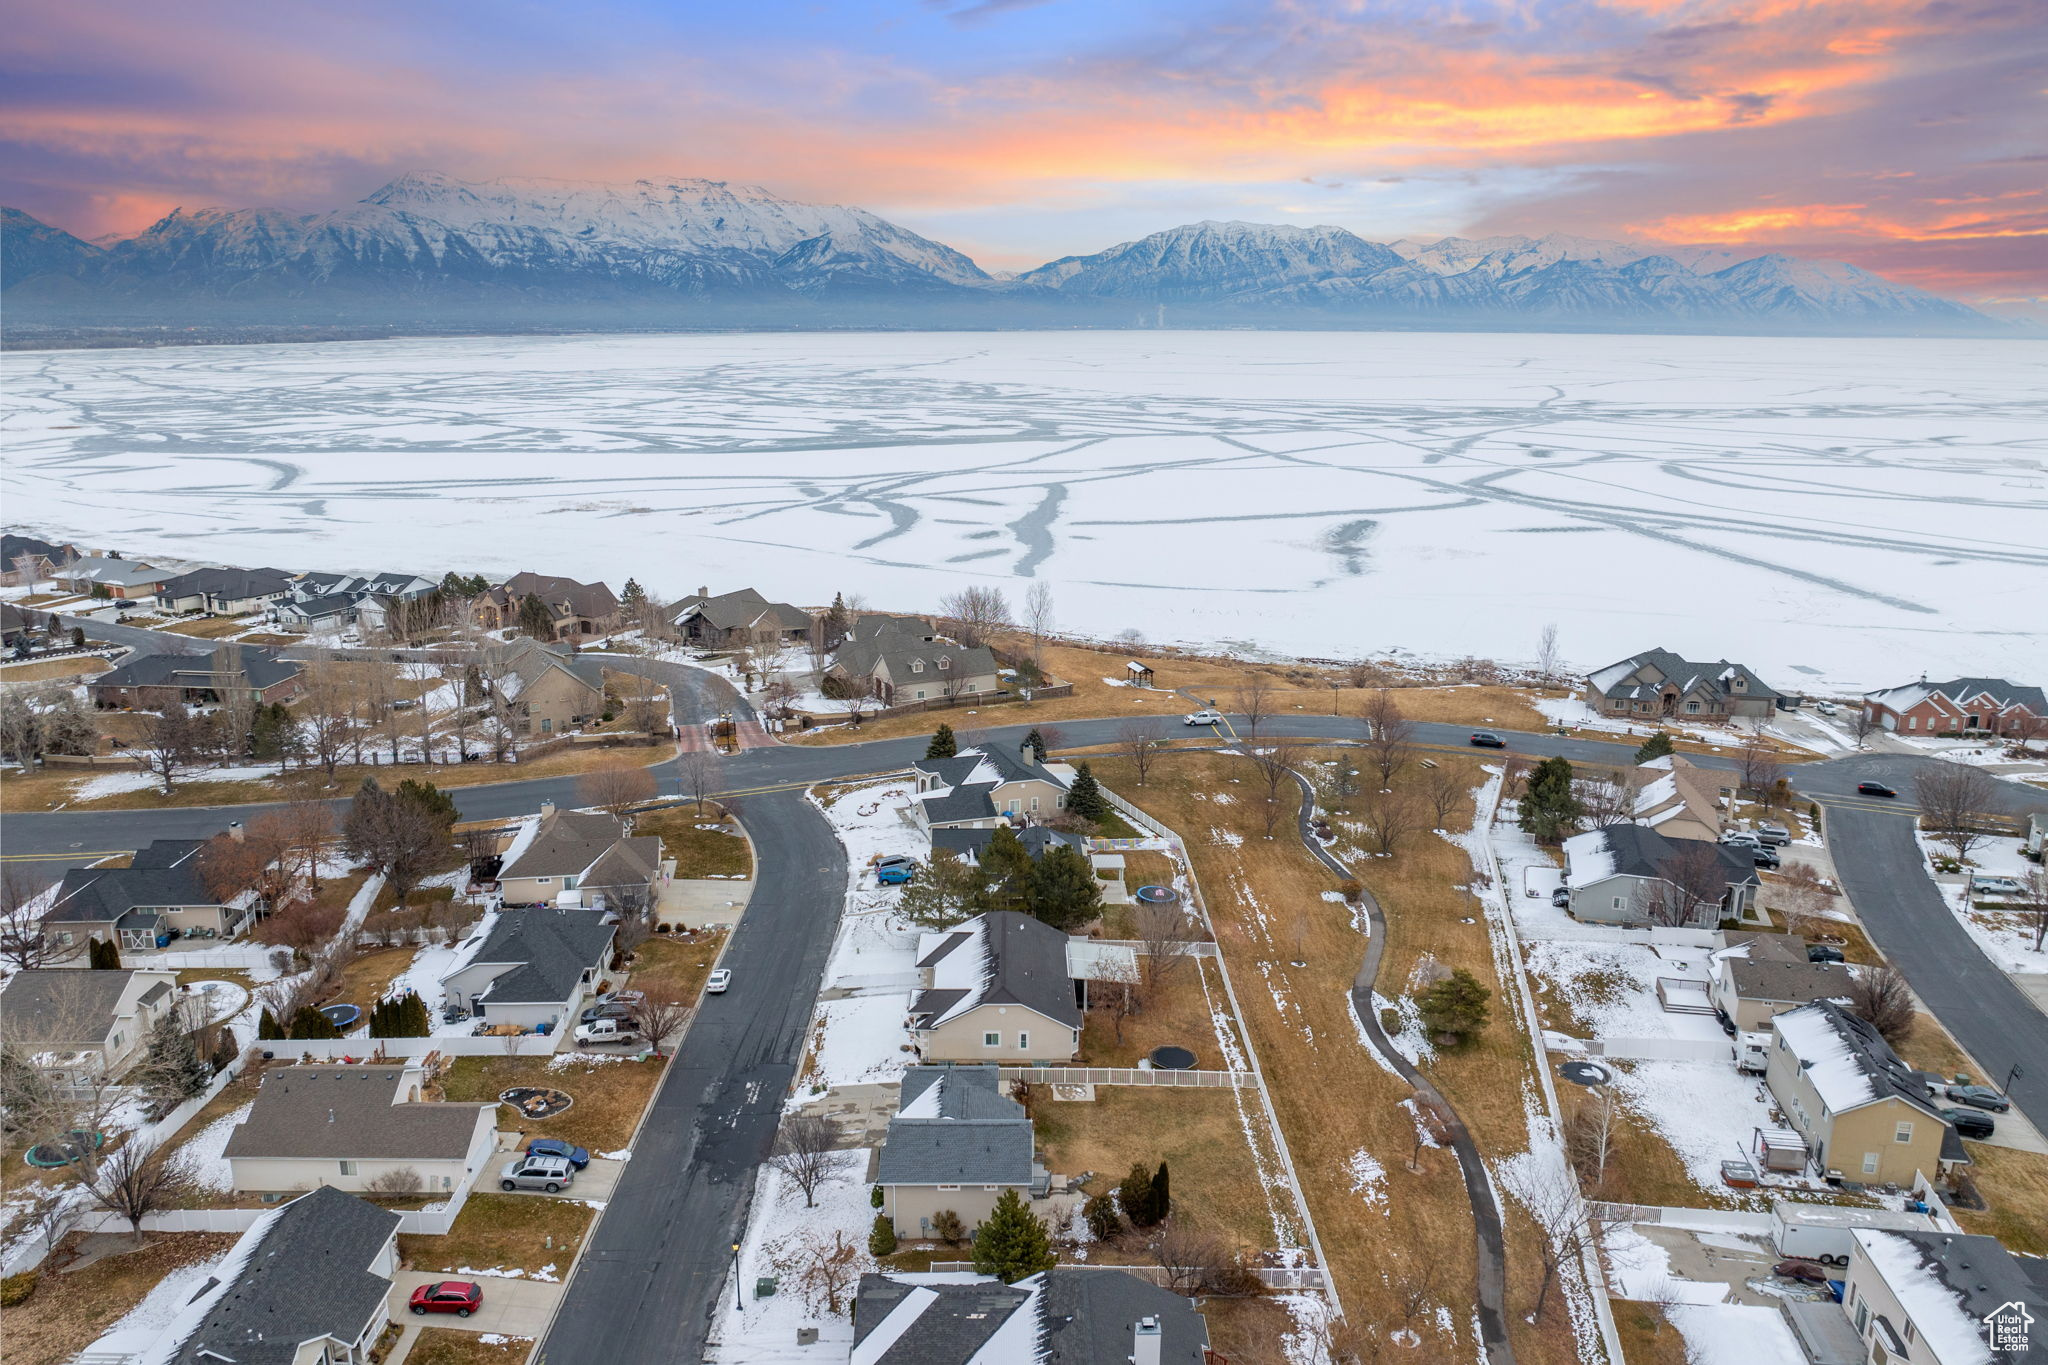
1138,673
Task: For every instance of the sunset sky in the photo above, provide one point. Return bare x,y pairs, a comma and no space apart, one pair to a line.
1909,138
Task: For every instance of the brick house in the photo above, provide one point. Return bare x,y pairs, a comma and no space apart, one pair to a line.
1990,706
739,619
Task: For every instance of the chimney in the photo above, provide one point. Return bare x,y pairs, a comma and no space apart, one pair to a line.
1145,1343
547,808
703,592
235,831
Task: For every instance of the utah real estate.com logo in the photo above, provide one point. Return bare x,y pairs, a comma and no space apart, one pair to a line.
2005,1327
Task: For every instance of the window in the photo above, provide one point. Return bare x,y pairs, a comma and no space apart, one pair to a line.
543,881
1034,803
547,723
949,1187
920,694
1910,1331
1618,902
1870,1163
1912,722
1862,1316
1023,1040
1903,1133
991,1040
568,883
971,687
917,665
348,1168
944,664
1692,706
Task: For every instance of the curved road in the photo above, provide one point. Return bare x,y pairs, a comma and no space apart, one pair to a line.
646,1289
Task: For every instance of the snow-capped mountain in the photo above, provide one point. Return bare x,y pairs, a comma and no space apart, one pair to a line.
428,247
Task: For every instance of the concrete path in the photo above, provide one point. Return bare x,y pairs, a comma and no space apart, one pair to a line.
515,1308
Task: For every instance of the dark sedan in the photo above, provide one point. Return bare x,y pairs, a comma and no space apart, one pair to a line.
460,1297
1970,1123
1487,739
574,1155
1874,789
1979,1097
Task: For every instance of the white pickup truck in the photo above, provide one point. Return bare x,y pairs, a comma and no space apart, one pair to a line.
608,1031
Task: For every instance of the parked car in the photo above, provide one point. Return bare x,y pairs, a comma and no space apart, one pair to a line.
1806,1272
574,1155
611,1010
718,981
1826,708
1764,855
1971,1123
894,871
1742,838
1824,952
1874,789
1487,739
1562,897
1202,717
460,1297
608,1031
1997,886
1979,1097
550,1173
1773,834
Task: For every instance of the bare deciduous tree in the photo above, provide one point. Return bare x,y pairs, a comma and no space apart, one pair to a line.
699,771
1389,736
1196,1262
2033,903
1953,798
135,1182
1038,620
616,786
974,612
659,1020
170,743
1275,764
1444,792
1552,1198
1166,940
823,1271
1760,769
1881,997
1114,994
1862,723
1549,661
1253,699
1802,897
309,827
1432,1128
1590,1134
1389,815
804,1152
1690,888
1141,744
1610,799
397,1180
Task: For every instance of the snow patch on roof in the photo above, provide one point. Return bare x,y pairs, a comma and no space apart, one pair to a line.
1933,1309
1587,859
1831,1066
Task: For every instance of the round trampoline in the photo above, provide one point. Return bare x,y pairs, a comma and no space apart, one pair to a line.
1157,895
1585,1073
342,1016
49,1156
1172,1059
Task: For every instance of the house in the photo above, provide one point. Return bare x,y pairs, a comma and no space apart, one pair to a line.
91,1026
998,988
357,1128
307,1284
1990,706
956,1143
18,627
154,682
739,620
1768,975
224,592
1948,1298
26,561
1633,876
574,609
1862,1111
1657,684
1681,800
304,615
161,895
542,689
897,663
530,967
577,859
1069,1315
966,843
988,785
123,579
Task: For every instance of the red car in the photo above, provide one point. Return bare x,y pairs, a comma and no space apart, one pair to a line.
460,1297
1806,1272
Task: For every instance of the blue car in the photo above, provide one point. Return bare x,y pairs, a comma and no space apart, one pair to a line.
894,871
575,1156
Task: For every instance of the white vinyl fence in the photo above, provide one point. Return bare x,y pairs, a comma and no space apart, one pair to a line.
462,1045
1117,1075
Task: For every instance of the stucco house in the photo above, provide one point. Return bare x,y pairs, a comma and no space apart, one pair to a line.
347,1126
1632,875
84,1027
307,1284
1768,975
225,592
572,858
1069,1315
739,619
152,682
123,579
542,689
161,894
531,967
898,660
1862,1111
956,1142
1949,1298
1658,683
988,785
998,988
1987,706
1681,800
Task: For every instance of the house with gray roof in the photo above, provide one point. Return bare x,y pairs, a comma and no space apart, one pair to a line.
988,785
542,689
161,896
1657,683
349,1126
1000,987
898,660
1069,1315
956,1143
84,1028
583,858
307,1284
739,619
1634,876
1947,1297
1750,986
1864,1114
154,682
224,592
26,560
531,967
123,579
1960,706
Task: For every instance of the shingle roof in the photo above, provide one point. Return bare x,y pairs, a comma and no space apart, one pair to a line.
553,948
1948,1283
1958,691
13,546
1075,1315
168,853
1017,961
1846,1061
743,608
897,653
945,1324
62,1004
954,1126
165,874
968,843
1090,1316
527,659
629,862
313,608
308,1276
582,599
346,1113
261,667
1657,667
126,573
232,584
1639,851
566,843
1763,979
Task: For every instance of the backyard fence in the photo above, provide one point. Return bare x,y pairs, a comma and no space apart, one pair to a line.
1120,1075
1701,1220
1273,1277
1609,933
244,958
460,1045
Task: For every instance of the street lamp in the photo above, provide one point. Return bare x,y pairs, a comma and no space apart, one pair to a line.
738,1300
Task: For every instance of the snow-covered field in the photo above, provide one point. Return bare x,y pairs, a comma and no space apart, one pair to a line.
1856,505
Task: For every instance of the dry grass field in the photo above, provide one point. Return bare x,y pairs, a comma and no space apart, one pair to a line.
70,1309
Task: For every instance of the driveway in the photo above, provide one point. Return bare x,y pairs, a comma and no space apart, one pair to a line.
516,1308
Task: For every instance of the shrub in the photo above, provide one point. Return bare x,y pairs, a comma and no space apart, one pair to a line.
875,1197
947,1227
1105,1224
882,1238
15,1289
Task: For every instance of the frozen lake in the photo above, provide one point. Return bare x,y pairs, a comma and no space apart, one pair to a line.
1834,512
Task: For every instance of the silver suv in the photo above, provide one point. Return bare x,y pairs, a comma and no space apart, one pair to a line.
549,1173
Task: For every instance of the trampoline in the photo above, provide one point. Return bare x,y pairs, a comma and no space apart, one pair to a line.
1157,895
71,1147
342,1016
1172,1059
1585,1073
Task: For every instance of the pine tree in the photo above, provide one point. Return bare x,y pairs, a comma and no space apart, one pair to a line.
1549,807
1134,1195
882,1237
1455,1007
436,804
1104,1222
1085,798
1656,746
1162,1195
874,1196
535,619
837,624
1035,742
101,954
311,1023
1004,874
943,744
1063,889
633,596
1012,1244
267,1026
940,892
172,1070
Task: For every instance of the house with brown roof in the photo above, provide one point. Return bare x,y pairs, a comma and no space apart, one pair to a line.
575,610
899,659
25,560
83,1027
542,689
346,1126
739,619
1657,683
1983,706
575,858
1681,800
153,682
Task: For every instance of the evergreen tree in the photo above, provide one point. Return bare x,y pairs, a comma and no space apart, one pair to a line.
101,954
1012,1244
1162,1194
1455,1007
534,618
882,1238
874,1196
1004,874
172,1070
78,637
269,732
1085,798
1134,1194
940,892
633,596
1104,1222
837,623
1550,809
1656,746
436,804
943,744
365,828
311,1023
1035,742
224,1051
1064,890
267,1027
